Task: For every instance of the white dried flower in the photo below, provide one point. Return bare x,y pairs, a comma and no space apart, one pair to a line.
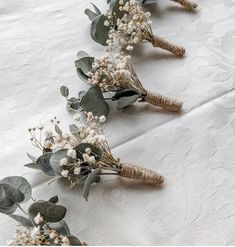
77,170
72,153
106,23
88,151
65,241
35,232
63,162
92,159
65,173
52,235
47,144
129,48
102,119
38,219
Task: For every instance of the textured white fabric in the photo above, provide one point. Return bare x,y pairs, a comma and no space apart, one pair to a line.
194,150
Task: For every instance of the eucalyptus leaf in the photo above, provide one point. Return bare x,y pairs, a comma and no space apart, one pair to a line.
73,129
73,104
126,101
124,93
22,220
80,150
32,166
61,227
20,184
81,94
8,210
64,91
54,199
55,159
82,54
58,130
44,163
145,2
74,241
94,102
91,15
90,179
99,32
9,196
49,211
31,157
83,66
98,12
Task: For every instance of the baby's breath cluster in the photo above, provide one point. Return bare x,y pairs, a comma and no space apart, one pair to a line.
132,28
38,235
113,73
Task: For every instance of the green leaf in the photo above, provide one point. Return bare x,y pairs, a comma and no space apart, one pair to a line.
58,130
44,163
91,15
73,129
80,149
145,2
82,54
64,91
99,32
98,12
74,241
126,101
94,102
49,211
81,94
31,157
8,210
55,159
73,103
20,184
9,196
61,227
90,179
32,166
22,220
54,199
124,93
83,66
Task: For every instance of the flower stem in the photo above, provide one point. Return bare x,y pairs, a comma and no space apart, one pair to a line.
164,44
163,102
188,4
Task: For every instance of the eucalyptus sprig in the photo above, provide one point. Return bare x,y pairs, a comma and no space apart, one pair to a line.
83,156
126,24
42,223
116,74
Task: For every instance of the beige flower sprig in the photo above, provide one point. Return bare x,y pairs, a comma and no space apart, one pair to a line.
125,24
83,156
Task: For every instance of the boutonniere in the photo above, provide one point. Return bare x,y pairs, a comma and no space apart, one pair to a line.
42,223
126,24
113,74
83,156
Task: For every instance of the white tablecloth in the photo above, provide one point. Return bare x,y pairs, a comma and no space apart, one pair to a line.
194,150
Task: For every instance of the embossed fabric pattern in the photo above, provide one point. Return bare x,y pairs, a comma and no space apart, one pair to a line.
193,150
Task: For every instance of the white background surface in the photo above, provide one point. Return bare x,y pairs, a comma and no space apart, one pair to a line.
194,150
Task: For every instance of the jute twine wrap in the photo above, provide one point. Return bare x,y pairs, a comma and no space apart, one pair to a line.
164,44
187,4
164,102
142,174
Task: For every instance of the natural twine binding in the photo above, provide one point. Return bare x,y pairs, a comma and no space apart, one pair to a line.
142,174
164,102
164,44
187,4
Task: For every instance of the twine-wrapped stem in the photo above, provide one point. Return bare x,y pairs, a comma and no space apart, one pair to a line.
187,4
163,102
142,174
164,44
